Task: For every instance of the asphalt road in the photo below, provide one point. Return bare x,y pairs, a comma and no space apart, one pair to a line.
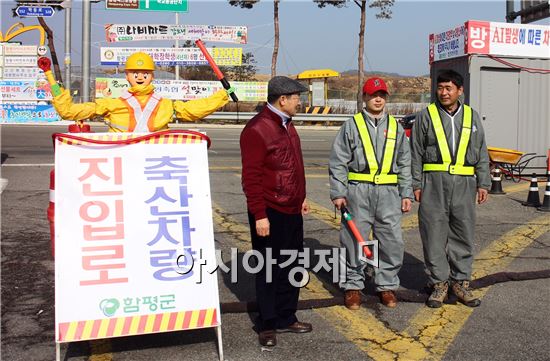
512,269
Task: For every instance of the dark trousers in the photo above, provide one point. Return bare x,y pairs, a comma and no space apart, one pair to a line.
277,300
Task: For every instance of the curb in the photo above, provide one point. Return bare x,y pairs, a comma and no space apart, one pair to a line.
184,125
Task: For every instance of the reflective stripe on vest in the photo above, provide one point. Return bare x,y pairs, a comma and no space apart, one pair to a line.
141,116
447,165
376,175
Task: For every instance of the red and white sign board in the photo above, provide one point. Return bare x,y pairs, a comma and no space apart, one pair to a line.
134,236
492,38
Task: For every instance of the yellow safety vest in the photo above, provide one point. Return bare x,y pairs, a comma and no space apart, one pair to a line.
376,174
447,165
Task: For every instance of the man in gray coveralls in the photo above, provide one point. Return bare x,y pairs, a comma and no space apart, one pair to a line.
450,168
370,174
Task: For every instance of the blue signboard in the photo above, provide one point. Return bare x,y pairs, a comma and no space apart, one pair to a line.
34,11
27,113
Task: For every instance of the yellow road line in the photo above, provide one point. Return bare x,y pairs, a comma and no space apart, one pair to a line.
516,187
360,327
327,216
228,224
324,214
437,328
430,331
364,330
508,189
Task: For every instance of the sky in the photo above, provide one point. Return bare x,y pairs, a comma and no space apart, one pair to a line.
310,38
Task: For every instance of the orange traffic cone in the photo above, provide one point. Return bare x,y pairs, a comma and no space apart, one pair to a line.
496,182
533,199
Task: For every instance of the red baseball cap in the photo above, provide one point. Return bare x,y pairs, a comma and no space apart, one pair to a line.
372,85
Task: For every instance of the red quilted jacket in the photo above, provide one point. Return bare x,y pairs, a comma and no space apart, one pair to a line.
272,165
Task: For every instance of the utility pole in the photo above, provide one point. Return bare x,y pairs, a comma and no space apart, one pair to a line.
67,60
530,11
509,11
86,44
177,68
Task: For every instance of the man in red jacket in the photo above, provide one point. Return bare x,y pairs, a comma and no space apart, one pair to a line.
274,183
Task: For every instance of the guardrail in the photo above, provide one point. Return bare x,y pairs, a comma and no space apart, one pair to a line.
243,117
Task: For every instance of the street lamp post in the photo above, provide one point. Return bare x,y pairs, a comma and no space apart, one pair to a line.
177,68
86,35
67,60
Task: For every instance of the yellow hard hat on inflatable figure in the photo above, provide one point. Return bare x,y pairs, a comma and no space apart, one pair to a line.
140,61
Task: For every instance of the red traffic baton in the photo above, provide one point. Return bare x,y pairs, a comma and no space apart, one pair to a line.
216,70
353,228
45,64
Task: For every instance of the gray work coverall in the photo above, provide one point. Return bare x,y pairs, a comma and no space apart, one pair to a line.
376,207
447,208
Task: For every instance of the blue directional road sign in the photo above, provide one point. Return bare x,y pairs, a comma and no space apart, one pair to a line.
34,11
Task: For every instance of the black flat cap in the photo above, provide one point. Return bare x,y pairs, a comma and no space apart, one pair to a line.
281,85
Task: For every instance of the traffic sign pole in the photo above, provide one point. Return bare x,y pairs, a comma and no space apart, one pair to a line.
86,41
67,60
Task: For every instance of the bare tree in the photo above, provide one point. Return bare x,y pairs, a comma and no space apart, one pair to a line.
276,41
384,13
249,4
244,4
48,30
245,72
